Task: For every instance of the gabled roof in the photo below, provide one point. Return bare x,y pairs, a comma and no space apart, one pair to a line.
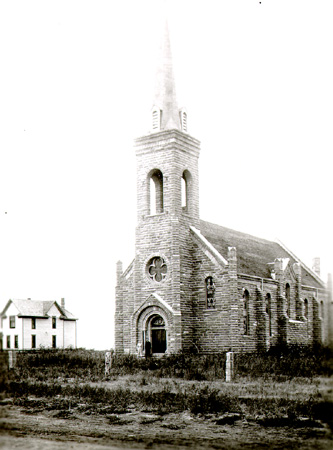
37,308
254,255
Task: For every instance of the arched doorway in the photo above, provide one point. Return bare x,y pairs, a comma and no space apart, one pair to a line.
158,335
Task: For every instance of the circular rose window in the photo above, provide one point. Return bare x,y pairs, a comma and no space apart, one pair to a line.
157,269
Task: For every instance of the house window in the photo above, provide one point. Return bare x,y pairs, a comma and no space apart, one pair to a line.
16,341
11,321
246,312
288,299
268,302
33,341
8,342
306,308
210,292
54,322
54,341
33,323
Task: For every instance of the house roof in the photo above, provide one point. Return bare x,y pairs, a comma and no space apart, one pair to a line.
37,308
254,255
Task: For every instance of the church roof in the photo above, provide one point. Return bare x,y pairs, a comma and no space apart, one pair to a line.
254,255
37,308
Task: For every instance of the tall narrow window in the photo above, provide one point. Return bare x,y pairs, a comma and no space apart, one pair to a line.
54,322
210,292
54,341
306,308
184,196
186,191
33,341
33,323
16,341
155,185
288,312
8,341
11,321
246,312
268,302
322,309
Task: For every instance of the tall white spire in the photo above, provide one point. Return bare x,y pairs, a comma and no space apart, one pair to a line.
165,113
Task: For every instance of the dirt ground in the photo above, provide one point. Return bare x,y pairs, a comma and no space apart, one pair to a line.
34,429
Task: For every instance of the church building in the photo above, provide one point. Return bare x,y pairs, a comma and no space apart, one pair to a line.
194,285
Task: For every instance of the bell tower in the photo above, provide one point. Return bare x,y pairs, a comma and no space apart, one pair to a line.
167,205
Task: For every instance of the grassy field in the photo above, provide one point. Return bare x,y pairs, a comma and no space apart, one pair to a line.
286,389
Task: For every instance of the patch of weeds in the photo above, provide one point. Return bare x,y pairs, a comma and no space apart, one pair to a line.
64,414
149,420
208,400
285,421
173,426
228,419
114,419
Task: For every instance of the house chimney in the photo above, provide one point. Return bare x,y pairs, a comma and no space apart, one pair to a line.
63,303
316,266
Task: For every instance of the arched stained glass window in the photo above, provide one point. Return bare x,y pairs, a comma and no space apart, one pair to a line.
210,292
288,299
268,304
246,312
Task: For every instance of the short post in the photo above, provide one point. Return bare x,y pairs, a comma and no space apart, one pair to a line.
108,363
229,367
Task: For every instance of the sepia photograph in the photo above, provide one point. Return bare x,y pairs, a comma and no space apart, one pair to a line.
166,224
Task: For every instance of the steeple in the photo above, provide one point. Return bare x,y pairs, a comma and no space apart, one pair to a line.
165,112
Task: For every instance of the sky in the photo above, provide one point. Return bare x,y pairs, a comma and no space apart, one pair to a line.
76,88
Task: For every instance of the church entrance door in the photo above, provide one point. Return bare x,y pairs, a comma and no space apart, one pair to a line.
158,335
158,338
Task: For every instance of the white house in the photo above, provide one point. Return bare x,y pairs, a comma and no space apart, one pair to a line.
28,324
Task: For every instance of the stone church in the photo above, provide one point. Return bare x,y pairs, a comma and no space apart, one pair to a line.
194,285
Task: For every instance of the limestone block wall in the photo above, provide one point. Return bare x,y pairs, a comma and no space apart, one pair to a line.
210,325
123,310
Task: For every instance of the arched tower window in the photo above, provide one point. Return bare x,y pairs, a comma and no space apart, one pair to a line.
246,311
186,191
288,299
155,185
184,196
268,302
